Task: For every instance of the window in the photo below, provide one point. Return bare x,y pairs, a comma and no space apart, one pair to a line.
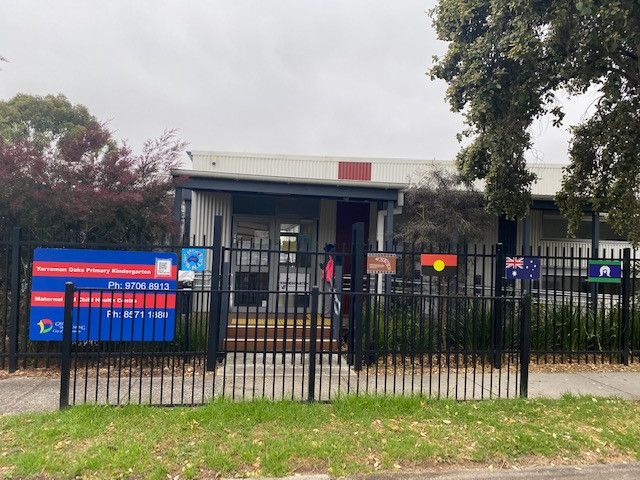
294,239
554,226
250,237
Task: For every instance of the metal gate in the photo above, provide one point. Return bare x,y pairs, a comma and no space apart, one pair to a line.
401,337
432,345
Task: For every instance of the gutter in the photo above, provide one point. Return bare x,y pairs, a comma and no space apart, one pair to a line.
276,179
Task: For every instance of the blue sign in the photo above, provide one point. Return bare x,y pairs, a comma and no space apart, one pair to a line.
605,271
193,259
135,301
522,268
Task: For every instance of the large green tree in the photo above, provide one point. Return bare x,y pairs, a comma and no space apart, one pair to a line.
507,60
43,120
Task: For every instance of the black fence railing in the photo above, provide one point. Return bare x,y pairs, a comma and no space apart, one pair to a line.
398,345
17,350
289,323
256,287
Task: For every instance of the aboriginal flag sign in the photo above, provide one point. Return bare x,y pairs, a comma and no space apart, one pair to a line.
439,264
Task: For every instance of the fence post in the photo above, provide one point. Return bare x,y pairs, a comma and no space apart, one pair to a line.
497,317
215,297
313,338
357,274
525,343
224,301
336,300
65,346
625,310
12,332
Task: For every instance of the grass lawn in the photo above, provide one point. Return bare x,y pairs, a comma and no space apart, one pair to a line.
349,435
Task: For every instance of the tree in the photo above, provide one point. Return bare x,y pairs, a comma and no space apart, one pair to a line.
43,121
505,63
441,209
64,173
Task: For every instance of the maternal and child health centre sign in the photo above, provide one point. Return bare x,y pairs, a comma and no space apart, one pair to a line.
135,299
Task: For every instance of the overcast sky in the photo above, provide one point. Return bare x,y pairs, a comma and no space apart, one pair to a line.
281,76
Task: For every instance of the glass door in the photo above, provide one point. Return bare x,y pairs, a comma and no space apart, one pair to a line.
296,265
252,261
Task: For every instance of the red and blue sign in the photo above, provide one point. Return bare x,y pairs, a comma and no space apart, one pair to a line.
125,296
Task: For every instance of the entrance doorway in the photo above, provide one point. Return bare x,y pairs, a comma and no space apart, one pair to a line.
270,260
348,213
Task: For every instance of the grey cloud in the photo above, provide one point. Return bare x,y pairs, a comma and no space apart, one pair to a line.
291,76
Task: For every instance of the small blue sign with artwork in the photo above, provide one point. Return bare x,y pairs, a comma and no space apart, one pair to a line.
193,259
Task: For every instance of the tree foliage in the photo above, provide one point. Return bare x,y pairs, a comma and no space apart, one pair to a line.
43,121
505,62
64,172
440,208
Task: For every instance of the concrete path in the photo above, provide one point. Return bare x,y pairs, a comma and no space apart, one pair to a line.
618,471
568,472
281,380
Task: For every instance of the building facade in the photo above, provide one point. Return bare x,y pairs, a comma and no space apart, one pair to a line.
304,203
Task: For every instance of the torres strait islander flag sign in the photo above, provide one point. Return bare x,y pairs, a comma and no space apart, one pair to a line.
135,300
439,264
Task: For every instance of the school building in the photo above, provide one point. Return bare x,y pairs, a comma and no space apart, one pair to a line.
316,198
310,201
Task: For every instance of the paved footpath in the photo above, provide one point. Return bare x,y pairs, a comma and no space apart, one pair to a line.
568,472
28,394
618,471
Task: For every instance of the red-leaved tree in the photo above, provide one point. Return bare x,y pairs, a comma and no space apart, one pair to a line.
80,182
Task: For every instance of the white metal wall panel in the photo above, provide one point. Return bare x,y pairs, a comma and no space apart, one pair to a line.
206,205
536,226
394,171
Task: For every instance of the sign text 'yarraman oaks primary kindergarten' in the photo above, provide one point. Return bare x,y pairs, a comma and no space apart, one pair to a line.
135,299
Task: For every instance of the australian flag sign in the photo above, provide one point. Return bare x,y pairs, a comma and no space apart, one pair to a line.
522,268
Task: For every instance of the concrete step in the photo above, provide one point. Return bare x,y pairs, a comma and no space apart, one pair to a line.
279,345
276,331
282,361
241,318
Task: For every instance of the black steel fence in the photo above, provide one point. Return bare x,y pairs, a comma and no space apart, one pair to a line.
433,351
251,325
17,351
281,322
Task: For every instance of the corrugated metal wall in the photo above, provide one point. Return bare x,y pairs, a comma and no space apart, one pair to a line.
354,170
383,170
206,205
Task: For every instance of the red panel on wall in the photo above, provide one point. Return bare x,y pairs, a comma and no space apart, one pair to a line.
354,170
